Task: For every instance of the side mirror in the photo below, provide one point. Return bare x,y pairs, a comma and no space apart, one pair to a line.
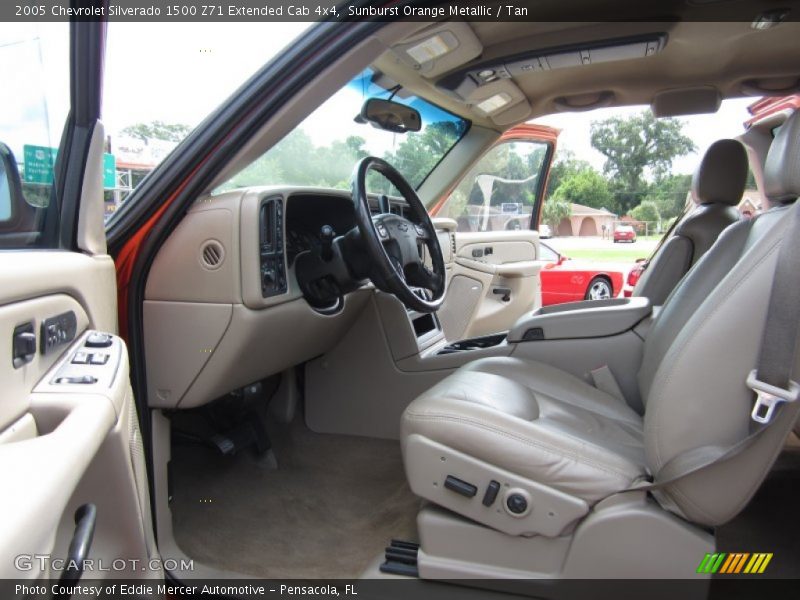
11,199
390,116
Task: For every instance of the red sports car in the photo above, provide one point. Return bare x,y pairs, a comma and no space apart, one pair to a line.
567,280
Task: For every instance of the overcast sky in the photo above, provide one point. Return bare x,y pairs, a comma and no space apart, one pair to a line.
178,73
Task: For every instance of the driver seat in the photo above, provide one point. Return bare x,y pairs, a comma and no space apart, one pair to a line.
530,449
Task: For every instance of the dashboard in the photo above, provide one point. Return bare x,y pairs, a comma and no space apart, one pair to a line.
222,304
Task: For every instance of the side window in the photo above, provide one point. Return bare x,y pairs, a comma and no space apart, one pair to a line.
499,192
34,100
547,254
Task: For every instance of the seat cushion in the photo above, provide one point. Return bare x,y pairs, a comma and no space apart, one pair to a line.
536,421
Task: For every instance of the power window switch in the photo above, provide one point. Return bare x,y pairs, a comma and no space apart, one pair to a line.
80,358
98,359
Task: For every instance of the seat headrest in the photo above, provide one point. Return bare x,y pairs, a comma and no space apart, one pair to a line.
782,169
721,175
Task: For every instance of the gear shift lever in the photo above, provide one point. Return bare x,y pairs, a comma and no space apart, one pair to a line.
383,204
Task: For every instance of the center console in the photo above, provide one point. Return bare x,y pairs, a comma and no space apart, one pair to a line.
403,353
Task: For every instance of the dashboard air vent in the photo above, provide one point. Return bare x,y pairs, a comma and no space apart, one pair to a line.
212,254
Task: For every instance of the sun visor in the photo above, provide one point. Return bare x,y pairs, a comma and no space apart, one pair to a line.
686,101
439,49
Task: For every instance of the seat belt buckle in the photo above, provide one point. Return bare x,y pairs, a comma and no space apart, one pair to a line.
769,396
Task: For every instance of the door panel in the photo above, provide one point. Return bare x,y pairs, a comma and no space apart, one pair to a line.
489,216
494,280
65,444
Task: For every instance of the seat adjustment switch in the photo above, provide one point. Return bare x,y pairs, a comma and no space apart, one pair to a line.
491,493
458,486
517,503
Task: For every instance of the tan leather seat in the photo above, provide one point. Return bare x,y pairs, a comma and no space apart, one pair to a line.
717,187
537,421
566,444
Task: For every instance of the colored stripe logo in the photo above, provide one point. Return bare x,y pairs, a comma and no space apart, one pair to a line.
734,563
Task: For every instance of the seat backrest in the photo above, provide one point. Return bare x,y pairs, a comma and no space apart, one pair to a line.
702,345
717,187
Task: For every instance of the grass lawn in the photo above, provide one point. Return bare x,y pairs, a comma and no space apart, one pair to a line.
624,254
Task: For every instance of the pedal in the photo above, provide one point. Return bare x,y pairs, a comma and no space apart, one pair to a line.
249,433
401,558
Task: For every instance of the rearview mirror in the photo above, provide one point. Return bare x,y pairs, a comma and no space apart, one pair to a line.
10,185
390,116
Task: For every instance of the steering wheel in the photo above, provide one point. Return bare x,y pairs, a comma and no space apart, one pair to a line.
393,243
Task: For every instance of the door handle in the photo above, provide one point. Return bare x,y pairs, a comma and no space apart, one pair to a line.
23,344
85,518
504,292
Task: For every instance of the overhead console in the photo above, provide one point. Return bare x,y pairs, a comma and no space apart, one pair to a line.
464,82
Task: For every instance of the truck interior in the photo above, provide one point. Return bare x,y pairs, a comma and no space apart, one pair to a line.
477,433
277,380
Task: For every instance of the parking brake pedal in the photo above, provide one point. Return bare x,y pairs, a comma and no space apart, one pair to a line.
401,558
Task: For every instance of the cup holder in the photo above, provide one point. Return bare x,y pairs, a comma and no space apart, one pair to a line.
477,343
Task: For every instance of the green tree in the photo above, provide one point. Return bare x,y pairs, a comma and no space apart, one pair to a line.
647,211
586,187
554,211
669,194
157,130
636,147
418,153
563,166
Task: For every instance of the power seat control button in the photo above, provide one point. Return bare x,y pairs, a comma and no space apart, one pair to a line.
517,503
454,484
491,493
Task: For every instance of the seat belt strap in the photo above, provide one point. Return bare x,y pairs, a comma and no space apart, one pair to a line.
605,381
771,379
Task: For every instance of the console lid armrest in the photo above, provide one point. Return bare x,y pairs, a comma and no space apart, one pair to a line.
586,319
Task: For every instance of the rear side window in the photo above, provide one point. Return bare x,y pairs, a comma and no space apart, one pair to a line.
34,101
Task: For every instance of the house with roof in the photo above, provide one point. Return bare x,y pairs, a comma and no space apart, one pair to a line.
586,221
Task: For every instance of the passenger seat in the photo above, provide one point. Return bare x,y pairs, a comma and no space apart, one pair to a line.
717,188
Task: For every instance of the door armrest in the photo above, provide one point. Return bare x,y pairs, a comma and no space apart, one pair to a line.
585,319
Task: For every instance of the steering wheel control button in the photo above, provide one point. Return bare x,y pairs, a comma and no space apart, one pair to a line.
517,503
99,340
80,358
454,484
491,493
382,231
83,379
420,230
98,359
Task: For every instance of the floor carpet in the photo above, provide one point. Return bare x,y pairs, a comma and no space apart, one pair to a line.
326,511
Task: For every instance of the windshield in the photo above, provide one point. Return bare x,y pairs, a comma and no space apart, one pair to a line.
323,149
